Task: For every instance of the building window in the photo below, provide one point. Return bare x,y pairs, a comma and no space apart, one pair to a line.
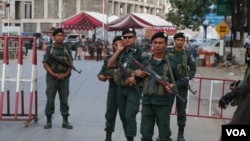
28,10
17,9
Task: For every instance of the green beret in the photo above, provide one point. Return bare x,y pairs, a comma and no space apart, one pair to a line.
160,35
117,38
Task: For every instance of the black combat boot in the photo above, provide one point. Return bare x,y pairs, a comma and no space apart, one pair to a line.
180,136
66,123
130,138
48,125
108,136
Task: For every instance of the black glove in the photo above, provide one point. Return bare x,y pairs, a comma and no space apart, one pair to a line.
230,97
224,100
234,84
185,81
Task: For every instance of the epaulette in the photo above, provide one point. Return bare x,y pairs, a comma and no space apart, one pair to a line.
172,58
171,54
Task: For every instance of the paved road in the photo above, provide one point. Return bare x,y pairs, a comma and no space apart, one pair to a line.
87,107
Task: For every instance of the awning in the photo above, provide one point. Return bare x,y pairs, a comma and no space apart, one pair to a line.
126,22
86,21
141,20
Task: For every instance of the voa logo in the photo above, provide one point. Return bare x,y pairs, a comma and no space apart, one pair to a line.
236,132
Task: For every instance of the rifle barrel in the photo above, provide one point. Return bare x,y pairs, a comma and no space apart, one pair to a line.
159,79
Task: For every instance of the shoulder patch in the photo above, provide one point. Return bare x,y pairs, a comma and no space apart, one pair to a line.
171,54
165,67
144,54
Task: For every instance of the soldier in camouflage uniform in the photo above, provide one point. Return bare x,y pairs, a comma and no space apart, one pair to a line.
236,96
111,109
187,69
70,44
57,79
128,96
99,48
91,48
157,103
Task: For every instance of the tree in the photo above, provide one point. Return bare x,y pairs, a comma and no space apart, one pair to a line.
188,13
238,21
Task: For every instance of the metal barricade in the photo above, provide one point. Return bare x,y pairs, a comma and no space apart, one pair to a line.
10,108
205,102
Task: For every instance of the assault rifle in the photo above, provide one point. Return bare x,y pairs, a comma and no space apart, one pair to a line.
191,90
53,57
108,75
125,74
157,78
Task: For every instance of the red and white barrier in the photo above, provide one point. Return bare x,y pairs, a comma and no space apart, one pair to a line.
19,84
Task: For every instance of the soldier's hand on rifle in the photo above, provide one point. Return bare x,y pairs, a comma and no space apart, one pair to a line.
185,81
234,84
169,88
131,81
224,100
102,77
141,73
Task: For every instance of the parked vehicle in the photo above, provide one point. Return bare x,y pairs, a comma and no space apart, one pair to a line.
46,40
195,43
247,43
170,41
213,45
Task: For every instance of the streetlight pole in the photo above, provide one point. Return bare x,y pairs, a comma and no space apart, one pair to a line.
61,14
107,21
205,25
7,4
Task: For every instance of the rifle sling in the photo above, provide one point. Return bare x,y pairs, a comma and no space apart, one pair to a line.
152,83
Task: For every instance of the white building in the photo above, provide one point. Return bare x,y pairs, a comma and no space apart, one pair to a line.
41,15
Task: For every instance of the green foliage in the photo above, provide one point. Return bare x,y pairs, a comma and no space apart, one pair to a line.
188,13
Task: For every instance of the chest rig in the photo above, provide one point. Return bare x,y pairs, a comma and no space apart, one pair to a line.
150,86
126,60
182,65
54,65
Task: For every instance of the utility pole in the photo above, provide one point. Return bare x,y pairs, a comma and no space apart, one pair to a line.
7,5
248,16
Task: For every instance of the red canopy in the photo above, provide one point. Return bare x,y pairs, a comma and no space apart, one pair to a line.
84,21
141,20
127,22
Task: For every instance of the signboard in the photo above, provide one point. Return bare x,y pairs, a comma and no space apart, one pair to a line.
222,29
224,8
213,19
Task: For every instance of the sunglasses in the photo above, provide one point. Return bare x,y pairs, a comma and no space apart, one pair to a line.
127,37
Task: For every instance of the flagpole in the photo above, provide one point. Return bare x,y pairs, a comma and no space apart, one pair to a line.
103,12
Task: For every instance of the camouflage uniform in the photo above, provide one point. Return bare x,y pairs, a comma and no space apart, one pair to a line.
99,48
186,67
128,96
111,109
157,106
54,85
